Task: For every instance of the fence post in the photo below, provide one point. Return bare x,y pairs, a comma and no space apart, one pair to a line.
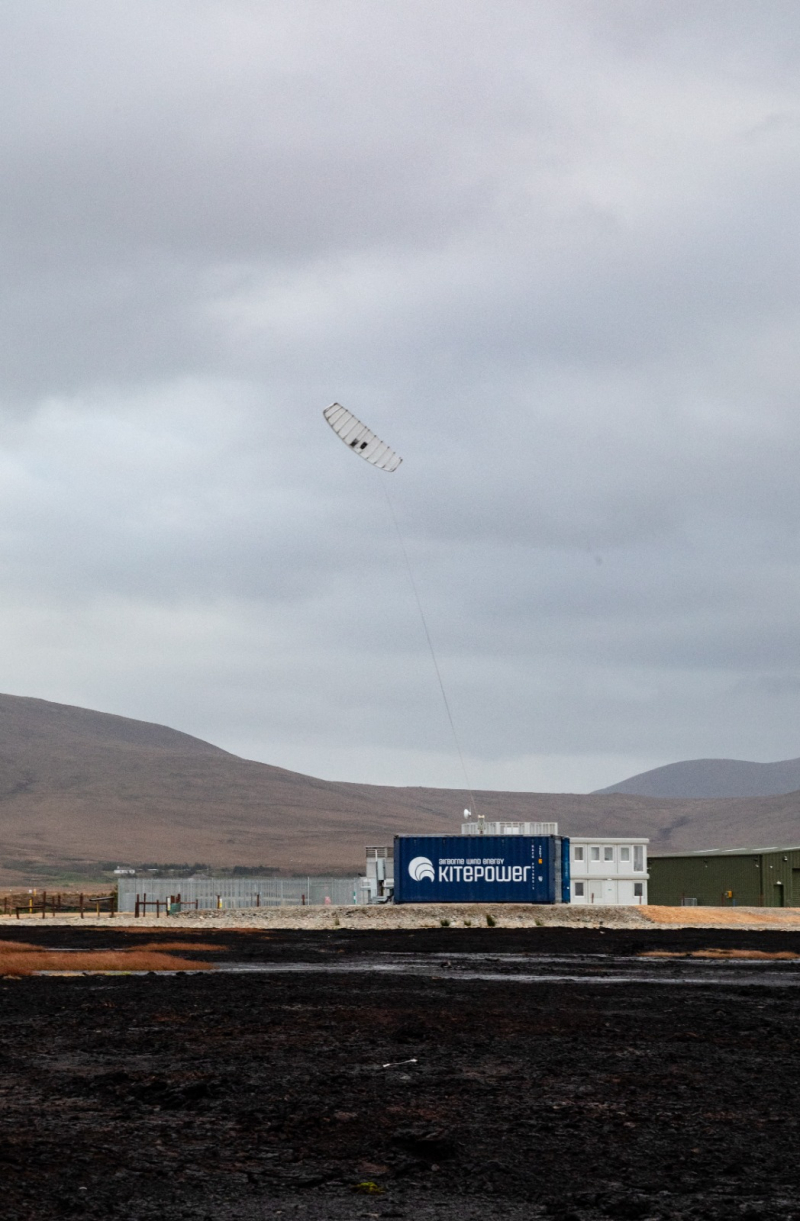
80,900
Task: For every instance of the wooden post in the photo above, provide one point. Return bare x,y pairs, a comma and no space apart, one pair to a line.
80,901
258,900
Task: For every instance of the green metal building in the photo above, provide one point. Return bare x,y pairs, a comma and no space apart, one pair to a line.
740,877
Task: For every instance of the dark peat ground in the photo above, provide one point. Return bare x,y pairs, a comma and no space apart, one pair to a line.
330,1094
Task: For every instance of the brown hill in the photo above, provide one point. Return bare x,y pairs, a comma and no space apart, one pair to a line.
78,786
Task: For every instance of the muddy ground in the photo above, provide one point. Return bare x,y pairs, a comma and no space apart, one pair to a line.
578,1082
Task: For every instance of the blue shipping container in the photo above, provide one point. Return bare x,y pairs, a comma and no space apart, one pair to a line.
479,869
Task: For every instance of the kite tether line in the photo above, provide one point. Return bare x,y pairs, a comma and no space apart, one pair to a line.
363,442
429,639
365,445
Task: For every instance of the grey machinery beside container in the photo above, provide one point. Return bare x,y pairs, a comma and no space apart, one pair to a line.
481,869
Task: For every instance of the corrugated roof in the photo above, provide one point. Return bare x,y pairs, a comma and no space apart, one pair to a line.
727,851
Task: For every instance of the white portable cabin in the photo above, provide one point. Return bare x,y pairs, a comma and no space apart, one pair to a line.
605,871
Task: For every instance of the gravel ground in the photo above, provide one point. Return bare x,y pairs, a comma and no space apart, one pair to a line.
460,915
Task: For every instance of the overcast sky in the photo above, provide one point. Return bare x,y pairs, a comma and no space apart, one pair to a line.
548,251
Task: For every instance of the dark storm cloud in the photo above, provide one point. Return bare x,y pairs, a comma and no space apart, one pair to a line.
548,252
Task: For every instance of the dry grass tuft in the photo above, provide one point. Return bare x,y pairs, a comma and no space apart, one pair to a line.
19,958
781,954
784,955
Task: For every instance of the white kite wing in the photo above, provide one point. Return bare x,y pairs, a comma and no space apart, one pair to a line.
360,439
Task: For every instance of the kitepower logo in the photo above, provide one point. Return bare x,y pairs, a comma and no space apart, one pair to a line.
420,868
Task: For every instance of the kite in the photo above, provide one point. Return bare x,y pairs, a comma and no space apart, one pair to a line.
358,437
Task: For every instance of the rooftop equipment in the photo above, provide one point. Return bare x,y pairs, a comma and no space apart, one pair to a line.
504,827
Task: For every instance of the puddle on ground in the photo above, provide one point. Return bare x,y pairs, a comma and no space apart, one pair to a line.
588,969
525,969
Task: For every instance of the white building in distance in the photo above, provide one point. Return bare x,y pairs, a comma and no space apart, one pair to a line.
608,871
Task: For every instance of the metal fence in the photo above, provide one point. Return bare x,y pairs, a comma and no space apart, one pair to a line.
211,893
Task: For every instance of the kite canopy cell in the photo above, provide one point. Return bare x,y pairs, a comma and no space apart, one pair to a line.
358,437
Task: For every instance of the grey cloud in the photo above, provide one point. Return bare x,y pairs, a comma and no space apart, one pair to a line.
549,253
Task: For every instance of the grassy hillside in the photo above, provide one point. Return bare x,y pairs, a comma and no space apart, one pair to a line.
79,787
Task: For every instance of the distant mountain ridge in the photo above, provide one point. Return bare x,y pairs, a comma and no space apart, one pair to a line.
79,787
712,778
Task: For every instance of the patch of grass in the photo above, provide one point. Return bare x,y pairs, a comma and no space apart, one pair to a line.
21,958
759,954
490,920
467,924
444,922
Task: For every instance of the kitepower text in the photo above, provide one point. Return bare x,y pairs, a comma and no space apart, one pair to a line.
475,869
